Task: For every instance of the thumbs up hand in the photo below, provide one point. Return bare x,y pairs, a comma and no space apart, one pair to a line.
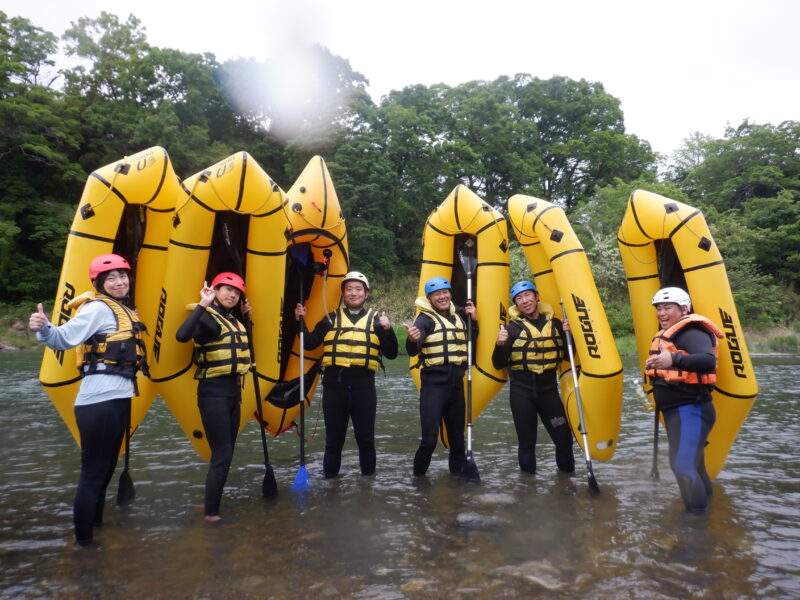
502,335
384,320
38,319
413,332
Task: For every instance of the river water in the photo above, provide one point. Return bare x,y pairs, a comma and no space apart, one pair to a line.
386,538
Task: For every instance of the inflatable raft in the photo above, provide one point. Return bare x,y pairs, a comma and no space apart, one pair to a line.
229,218
316,261
463,219
561,271
665,243
126,208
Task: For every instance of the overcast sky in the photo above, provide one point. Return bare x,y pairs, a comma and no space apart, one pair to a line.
677,67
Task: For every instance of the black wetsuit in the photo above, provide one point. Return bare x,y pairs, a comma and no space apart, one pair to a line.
533,395
441,398
348,394
219,400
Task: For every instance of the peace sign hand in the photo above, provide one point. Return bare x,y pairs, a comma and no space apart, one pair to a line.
207,295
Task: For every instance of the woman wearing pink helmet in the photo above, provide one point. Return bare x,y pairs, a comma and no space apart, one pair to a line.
102,329
222,356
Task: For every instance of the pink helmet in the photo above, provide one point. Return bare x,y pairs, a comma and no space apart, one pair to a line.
231,279
107,262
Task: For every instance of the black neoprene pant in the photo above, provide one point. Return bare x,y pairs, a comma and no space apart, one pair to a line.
101,427
340,404
441,398
530,397
220,416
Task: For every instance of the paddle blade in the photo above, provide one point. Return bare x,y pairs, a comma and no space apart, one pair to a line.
269,487
286,394
593,487
301,252
470,470
301,481
466,255
654,471
125,492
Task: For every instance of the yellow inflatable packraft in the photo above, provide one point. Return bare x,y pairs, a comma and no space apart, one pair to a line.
230,218
561,271
464,216
316,263
665,243
126,209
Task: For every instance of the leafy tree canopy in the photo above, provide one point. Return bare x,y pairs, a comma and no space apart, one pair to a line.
559,139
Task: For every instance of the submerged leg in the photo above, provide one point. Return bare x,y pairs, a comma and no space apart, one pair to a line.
686,433
526,423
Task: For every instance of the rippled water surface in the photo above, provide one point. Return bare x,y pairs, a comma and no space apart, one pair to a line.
385,538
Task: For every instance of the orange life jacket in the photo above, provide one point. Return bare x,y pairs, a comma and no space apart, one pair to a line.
664,340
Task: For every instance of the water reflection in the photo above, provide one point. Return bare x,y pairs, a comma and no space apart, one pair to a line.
384,537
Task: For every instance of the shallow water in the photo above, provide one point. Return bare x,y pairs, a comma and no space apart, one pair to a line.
384,538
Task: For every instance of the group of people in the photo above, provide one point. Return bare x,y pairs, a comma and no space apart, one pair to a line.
355,341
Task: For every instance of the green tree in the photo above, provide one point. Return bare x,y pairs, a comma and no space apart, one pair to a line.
131,95
751,161
748,183
114,90
580,140
555,139
758,298
777,221
485,142
387,169
39,137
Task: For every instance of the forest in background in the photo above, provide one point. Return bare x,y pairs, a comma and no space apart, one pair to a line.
391,162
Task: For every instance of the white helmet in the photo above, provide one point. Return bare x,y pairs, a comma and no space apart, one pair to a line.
356,276
674,295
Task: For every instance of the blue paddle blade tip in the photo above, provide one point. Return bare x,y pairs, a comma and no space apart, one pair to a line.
301,481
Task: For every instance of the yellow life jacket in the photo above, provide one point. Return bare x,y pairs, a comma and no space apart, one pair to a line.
665,340
352,345
121,351
447,343
534,350
226,355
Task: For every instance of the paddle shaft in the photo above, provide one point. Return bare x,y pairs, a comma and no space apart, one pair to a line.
302,386
568,335
257,390
125,490
469,366
301,481
260,410
577,396
654,469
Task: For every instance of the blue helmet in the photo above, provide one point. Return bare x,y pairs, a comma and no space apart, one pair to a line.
436,283
522,286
